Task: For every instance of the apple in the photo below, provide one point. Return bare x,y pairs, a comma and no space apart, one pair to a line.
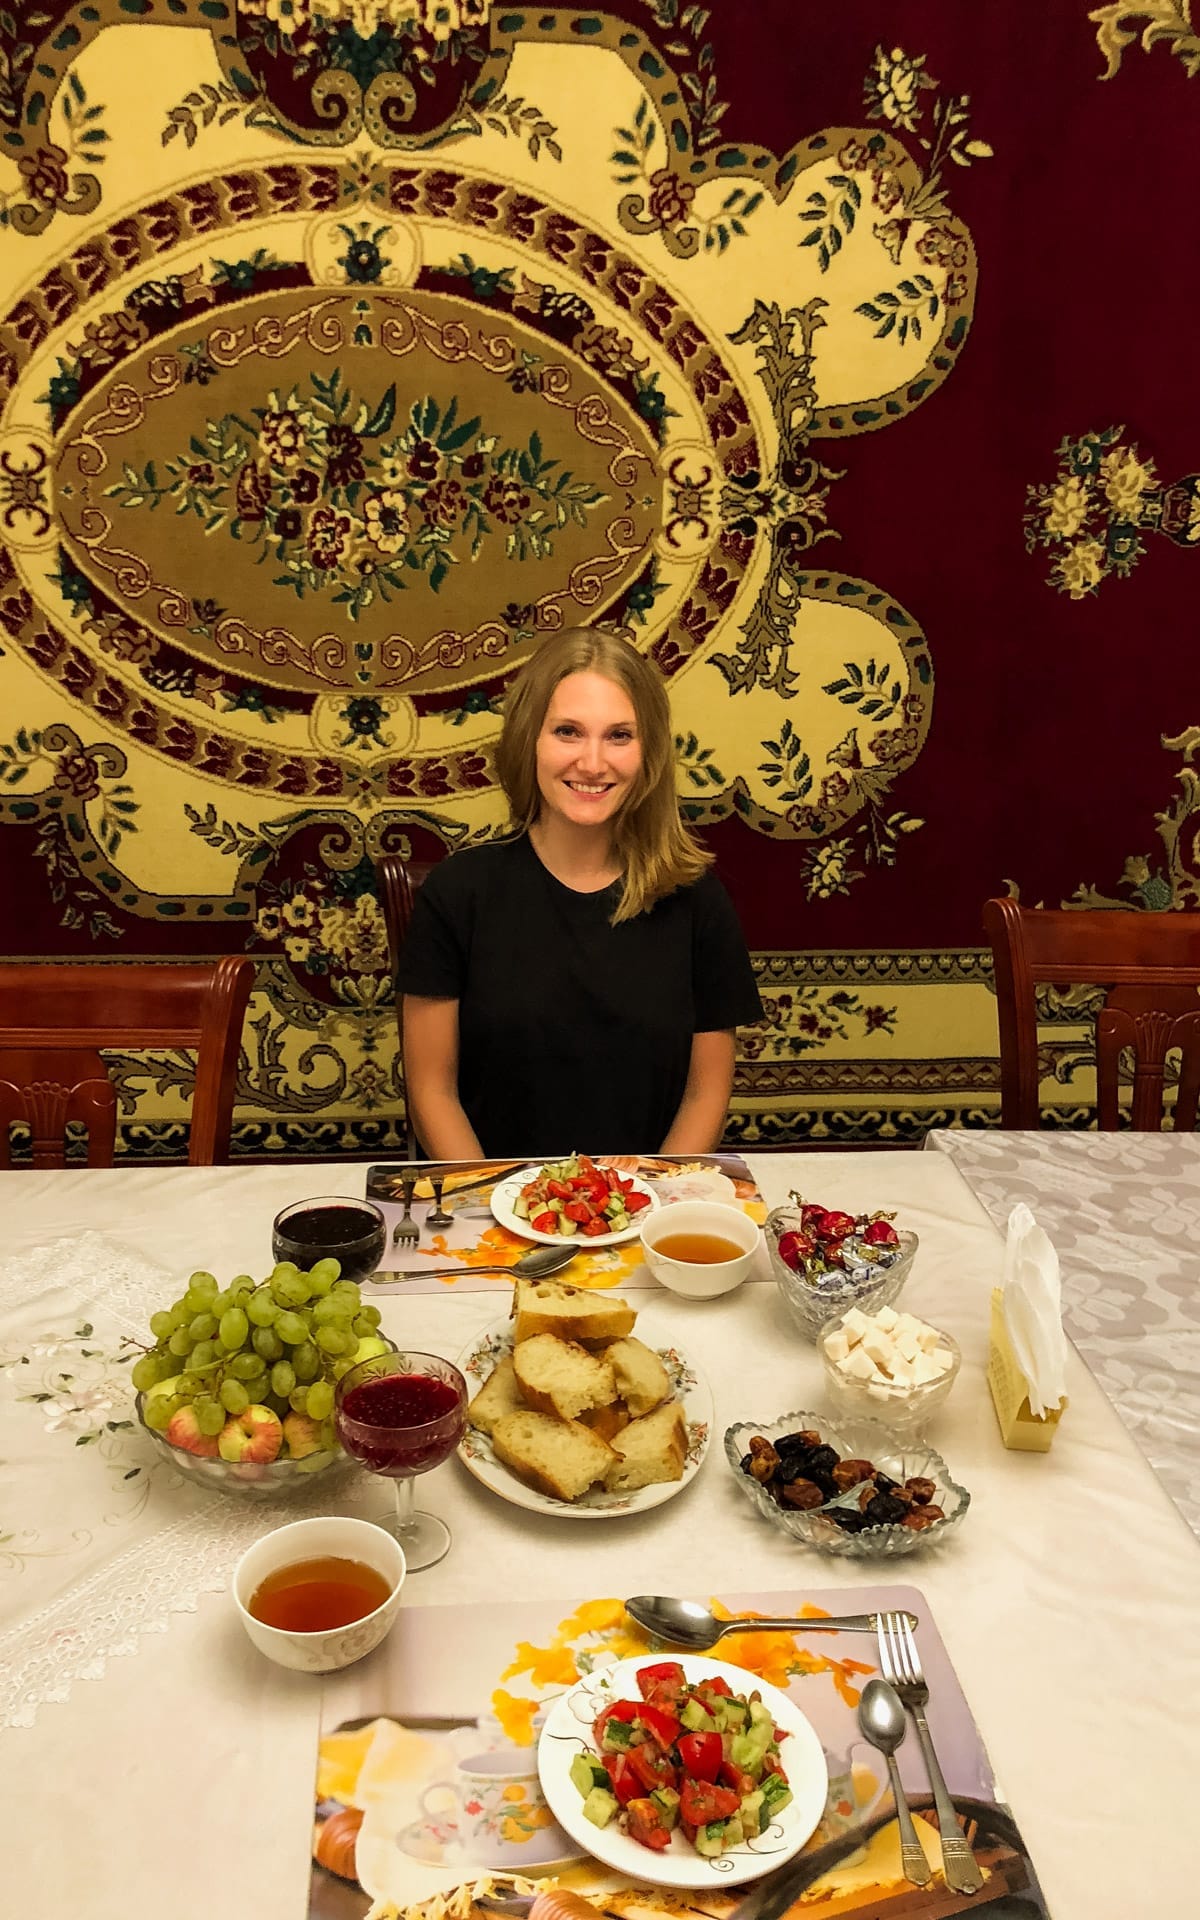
183,1431
161,1387
302,1434
255,1435
367,1348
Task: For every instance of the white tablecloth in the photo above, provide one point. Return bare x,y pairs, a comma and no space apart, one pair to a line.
179,1779
1123,1210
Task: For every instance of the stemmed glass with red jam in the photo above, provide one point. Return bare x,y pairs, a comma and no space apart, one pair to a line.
400,1414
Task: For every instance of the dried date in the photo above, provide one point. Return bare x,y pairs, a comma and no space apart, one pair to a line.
803,1473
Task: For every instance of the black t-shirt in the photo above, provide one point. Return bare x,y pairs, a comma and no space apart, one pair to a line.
572,1033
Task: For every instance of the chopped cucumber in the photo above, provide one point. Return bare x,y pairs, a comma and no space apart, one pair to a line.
586,1773
667,1800
600,1806
697,1718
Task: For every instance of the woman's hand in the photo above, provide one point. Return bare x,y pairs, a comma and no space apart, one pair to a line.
429,1037
700,1121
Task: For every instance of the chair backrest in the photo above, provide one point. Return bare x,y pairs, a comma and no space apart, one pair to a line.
55,1019
1150,964
398,881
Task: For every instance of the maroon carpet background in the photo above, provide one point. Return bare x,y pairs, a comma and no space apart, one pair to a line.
1028,519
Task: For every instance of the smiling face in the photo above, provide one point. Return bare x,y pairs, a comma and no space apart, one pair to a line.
588,751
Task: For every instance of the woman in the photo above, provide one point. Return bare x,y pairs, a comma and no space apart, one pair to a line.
578,983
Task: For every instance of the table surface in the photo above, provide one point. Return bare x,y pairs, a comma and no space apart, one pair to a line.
1123,1211
179,1779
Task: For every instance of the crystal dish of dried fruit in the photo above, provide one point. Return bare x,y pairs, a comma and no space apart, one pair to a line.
846,1486
827,1261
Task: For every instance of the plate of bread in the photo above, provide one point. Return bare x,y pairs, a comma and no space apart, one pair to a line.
573,1413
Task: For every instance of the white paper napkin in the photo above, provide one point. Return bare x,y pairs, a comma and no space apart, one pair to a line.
1033,1310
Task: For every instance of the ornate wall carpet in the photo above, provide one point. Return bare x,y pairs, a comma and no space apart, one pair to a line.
836,354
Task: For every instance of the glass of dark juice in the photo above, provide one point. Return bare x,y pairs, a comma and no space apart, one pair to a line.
400,1414
352,1232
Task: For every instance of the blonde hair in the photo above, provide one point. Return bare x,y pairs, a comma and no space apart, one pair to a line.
655,849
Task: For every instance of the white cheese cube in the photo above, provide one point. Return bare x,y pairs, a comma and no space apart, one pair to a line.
925,1368
908,1345
879,1346
858,1365
906,1323
903,1370
855,1324
837,1346
928,1337
887,1318
942,1359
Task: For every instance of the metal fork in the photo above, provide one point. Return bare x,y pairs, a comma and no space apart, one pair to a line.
901,1665
406,1232
437,1217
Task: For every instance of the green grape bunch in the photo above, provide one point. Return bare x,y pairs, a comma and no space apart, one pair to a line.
247,1373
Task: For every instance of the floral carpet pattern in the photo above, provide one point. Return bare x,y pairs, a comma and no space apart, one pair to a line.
351,347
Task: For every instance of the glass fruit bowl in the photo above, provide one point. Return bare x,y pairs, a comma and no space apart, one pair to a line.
860,1440
814,1296
272,1479
902,1409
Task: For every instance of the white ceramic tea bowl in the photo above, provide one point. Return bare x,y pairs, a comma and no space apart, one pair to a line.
340,1538
697,1280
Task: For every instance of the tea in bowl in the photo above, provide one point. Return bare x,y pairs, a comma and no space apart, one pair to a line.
700,1248
319,1594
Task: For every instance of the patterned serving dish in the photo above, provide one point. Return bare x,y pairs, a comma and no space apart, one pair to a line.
899,1458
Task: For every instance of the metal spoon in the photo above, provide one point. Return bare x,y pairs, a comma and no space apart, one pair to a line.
534,1265
685,1623
438,1218
884,1725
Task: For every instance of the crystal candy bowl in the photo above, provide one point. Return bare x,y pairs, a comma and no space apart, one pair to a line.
814,1299
903,1410
860,1440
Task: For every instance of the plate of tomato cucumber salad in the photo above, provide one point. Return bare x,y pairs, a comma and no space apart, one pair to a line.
576,1200
682,1772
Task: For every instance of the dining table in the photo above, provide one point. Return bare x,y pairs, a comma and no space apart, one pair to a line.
1123,1212
152,1762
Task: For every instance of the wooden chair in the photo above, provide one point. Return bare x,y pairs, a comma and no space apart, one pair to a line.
55,1019
1150,963
398,881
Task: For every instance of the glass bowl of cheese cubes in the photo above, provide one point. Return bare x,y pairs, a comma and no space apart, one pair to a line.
888,1366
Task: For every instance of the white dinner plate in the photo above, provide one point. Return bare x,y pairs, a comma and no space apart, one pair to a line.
688,1384
509,1190
568,1731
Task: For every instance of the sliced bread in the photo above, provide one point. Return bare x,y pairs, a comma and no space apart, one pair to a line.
607,1421
559,1376
558,1457
642,1379
651,1449
498,1395
573,1313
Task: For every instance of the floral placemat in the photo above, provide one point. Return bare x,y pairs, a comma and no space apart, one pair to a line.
476,1240
427,1787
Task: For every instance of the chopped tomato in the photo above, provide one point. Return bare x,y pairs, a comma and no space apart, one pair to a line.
714,1689
645,1824
634,1202
651,1766
737,1781
701,1754
664,1726
700,1803
545,1222
558,1190
625,1784
650,1678
579,1211
594,1226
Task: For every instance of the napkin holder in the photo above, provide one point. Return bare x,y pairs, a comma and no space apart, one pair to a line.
1019,1426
